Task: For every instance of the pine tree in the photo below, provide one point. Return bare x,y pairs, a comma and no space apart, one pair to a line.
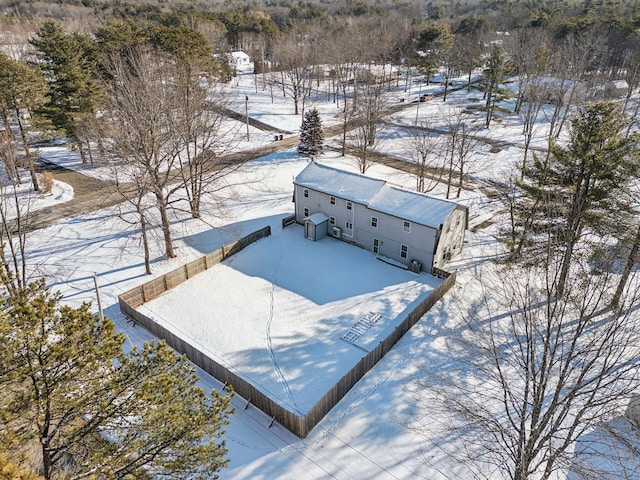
583,187
311,134
68,385
68,62
496,72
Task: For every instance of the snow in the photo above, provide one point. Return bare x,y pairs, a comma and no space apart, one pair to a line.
346,185
376,194
317,218
378,430
412,206
294,300
23,194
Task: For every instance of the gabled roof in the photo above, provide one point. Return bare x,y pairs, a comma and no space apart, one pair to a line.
376,194
240,54
339,183
317,218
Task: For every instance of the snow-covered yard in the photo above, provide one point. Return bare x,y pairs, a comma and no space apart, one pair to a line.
280,313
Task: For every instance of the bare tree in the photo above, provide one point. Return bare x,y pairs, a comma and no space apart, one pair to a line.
140,119
536,371
15,208
460,141
204,135
369,111
362,146
293,57
424,149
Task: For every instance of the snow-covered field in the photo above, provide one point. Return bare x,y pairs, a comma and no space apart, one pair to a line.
378,430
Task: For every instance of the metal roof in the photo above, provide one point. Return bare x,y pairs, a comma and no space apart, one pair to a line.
376,194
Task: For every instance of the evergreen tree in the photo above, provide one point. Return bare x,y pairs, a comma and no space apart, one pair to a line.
496,72
311,134
582,187
434,43
68,384
68,62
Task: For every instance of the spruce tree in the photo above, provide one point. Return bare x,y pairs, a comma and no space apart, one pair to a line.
311,134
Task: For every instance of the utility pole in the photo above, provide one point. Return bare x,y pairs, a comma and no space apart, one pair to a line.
419,95
246,113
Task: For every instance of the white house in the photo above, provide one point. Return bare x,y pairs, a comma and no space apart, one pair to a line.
403,227
240,60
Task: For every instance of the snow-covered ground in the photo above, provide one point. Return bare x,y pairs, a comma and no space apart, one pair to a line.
23,197
378,430
277,313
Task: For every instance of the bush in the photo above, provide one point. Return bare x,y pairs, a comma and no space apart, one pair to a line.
46,182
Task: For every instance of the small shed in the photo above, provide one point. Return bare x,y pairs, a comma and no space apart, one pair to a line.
316,226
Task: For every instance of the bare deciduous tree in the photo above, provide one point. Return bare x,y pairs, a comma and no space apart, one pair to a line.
14,222
423,149
293,55
537,371
368,113
140,114
459,142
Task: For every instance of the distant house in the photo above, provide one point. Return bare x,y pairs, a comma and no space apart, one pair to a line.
376,73
402,227
556,91
611,90
240,60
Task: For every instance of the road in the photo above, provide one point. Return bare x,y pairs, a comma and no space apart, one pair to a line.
92,194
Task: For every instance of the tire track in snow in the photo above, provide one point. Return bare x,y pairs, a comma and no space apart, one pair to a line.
274,362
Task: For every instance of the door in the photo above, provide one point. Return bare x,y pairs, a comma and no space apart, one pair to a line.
376,246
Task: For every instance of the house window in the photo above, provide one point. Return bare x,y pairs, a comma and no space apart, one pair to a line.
374,222
406,226
404,251
349,205
333,200
332,220
306,193
348,225
306,212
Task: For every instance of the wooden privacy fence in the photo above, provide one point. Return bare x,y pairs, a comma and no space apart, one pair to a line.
366,363
156,287
300,425
290,220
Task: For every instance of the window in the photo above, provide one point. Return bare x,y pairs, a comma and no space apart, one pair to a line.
333,200
348,225
349,205
406,226
306,212
374,222
332,220
306,193
404,251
